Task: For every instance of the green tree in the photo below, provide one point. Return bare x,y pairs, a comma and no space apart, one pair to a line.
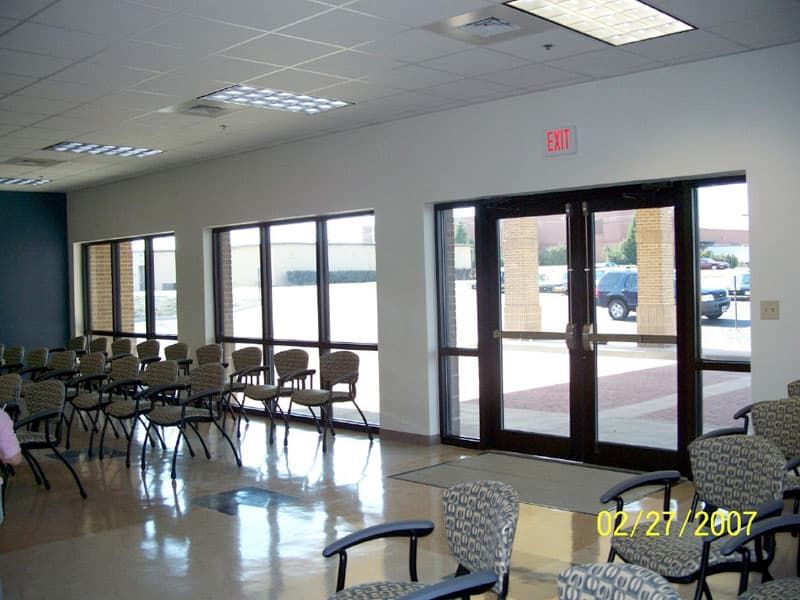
554,255
624,253
461,236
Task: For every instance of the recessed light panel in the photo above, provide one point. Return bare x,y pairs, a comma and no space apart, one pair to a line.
276,99
103,149
616,22
22,181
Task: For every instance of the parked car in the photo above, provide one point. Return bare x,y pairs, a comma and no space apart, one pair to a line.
619,292
740,286
710,263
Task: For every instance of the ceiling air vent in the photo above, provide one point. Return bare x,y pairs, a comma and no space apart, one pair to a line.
488,27
20,161
200,108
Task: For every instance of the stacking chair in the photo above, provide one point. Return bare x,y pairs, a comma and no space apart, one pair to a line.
769,589
10,387
207,354
779,422
120,403
120,348
60,365
124,371
45,403
480,520
12,359
99,344
247,369
202,405
793,388
91,375
77,345
148,353
179,352
734,473
35,363
613,580
335,369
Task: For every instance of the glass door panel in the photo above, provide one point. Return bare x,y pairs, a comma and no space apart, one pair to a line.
534,314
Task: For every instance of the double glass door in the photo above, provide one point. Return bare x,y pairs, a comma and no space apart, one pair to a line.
579,337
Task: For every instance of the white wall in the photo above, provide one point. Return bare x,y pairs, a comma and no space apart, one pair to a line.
730,115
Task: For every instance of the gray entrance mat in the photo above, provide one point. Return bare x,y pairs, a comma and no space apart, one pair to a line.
552,483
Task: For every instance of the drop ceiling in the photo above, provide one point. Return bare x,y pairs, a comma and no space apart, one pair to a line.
123,72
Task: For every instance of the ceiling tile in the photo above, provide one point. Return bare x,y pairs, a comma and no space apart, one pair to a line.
412,77
42,137
41,39
105,17
605,63
689,45
11,83
343,28
469,89
408,101
138,100
281,50
175,85
416,45
764,31
254,13
103,76
357,91
196,34
144,55
417,12
62,123
32,65
42,106
6,24
102,112
294,80
710,13
18,118
475,62
21,9
533,76
352,64
562,43
62,90
224,68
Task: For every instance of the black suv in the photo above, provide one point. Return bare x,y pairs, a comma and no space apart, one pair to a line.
619,292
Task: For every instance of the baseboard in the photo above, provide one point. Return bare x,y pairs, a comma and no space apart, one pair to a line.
412,438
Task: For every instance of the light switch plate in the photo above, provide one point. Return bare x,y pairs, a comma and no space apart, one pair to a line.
770,310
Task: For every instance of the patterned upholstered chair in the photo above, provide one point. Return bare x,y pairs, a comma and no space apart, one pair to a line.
793,388
35,363
613,580
77,344
10,387
202,405
41,429
207,354
777,589
779,422
735,473
12,359
179,352
335,369
480,520
147,351
128,402
99,344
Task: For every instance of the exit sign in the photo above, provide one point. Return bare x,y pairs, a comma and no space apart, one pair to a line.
561,140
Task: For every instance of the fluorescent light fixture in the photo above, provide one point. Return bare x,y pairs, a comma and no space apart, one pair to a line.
277,99
616,22
22,181
104,149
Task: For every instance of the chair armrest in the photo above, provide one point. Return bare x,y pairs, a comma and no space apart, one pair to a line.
155,390
410,529
743,412
456,587
346,378
59,374
666,478
793,463
116,356
765,525
119,384
239,375
722,431
87,378
198,396
32,370
149,360
42,415
296,375
61,349
11,367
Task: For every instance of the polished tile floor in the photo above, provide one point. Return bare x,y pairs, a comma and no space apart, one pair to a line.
255,532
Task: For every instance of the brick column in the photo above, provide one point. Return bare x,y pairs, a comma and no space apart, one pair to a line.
448,236
520,255
101,296
126,285
655,252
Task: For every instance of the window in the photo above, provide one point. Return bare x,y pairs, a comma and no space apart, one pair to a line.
130,288
306,284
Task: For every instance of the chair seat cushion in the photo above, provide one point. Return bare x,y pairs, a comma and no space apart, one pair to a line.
86,401
614,580
339,396
125,409
792,484
778,589
373,591
311,397
677,554
33,438
171,415
261,392
236,386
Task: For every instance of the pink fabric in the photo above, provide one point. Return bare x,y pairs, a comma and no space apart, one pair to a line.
9,446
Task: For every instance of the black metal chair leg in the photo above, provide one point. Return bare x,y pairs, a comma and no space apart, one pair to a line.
230,443
200,437
363,418
71,470
33,465
175,451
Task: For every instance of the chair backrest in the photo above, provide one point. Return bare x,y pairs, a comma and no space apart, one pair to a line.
210,376
148,348
38,357
2,351
10,386
14,355
78,343
779,422
161,373
737,472
93,363
245,358
176,351
480,520
334,365
45,395
122,346
99,344
294,359
126,367
210,353
619,581
61,361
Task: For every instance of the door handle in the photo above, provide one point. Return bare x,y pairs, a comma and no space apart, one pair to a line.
587,332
